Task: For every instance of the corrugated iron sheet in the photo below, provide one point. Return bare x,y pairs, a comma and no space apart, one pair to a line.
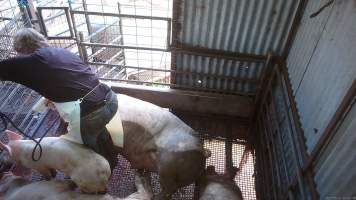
336,169
322,64
218,74
243,26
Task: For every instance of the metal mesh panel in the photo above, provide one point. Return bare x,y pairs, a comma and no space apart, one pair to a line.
245,177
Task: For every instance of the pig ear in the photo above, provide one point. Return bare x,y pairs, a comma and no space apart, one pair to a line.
5,147
13,136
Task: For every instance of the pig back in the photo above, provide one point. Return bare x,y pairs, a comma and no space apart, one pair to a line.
89,170
167,130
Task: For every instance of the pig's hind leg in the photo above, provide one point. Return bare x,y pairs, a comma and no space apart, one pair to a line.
47,173
178,169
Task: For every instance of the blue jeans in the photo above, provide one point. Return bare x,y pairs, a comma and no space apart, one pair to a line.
94,133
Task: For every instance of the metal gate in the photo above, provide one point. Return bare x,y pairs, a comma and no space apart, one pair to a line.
107,41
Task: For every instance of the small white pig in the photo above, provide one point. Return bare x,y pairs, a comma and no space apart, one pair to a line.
17,188
89,170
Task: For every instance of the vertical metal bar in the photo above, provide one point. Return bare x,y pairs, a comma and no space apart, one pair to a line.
66,10
294,145
169,24
83,49
75,31
228,154
122,39
42,22
264,75
270,159
299,131
273,108
261,171
269,131
87,20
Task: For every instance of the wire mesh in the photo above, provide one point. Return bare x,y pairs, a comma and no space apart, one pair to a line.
126,40
245,177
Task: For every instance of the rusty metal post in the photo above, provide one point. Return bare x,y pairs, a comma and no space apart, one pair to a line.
75,31
83,49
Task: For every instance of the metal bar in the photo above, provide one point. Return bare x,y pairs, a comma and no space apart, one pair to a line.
69,22
87,20
176,28
100,30
251,80
43,22
295,25
169,23
274,152
122,38
279,132
265,181
180,86
6,18
52,17
121,46
264,76
273,185
206,52
75,31
52,7
293,106
295,143
207,106
104,48
120,15
84,51
300,133
228,155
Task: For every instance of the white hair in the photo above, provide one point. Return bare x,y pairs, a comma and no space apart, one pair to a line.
27,40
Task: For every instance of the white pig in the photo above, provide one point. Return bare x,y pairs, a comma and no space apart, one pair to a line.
89,170
18,188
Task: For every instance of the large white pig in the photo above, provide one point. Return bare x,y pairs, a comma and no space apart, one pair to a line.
156,140
17,188
89,170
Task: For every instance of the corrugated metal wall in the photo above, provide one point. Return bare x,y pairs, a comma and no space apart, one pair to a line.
322,68
280,149
322,63
336,169
243,26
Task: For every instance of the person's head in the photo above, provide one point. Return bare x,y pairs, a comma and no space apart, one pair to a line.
27,40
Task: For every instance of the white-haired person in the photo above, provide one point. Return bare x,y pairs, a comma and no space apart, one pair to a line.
61,77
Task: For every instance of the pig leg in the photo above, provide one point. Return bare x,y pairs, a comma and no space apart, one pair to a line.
47,173
178,169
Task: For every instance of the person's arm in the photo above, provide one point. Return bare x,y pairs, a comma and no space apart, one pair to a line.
9,67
